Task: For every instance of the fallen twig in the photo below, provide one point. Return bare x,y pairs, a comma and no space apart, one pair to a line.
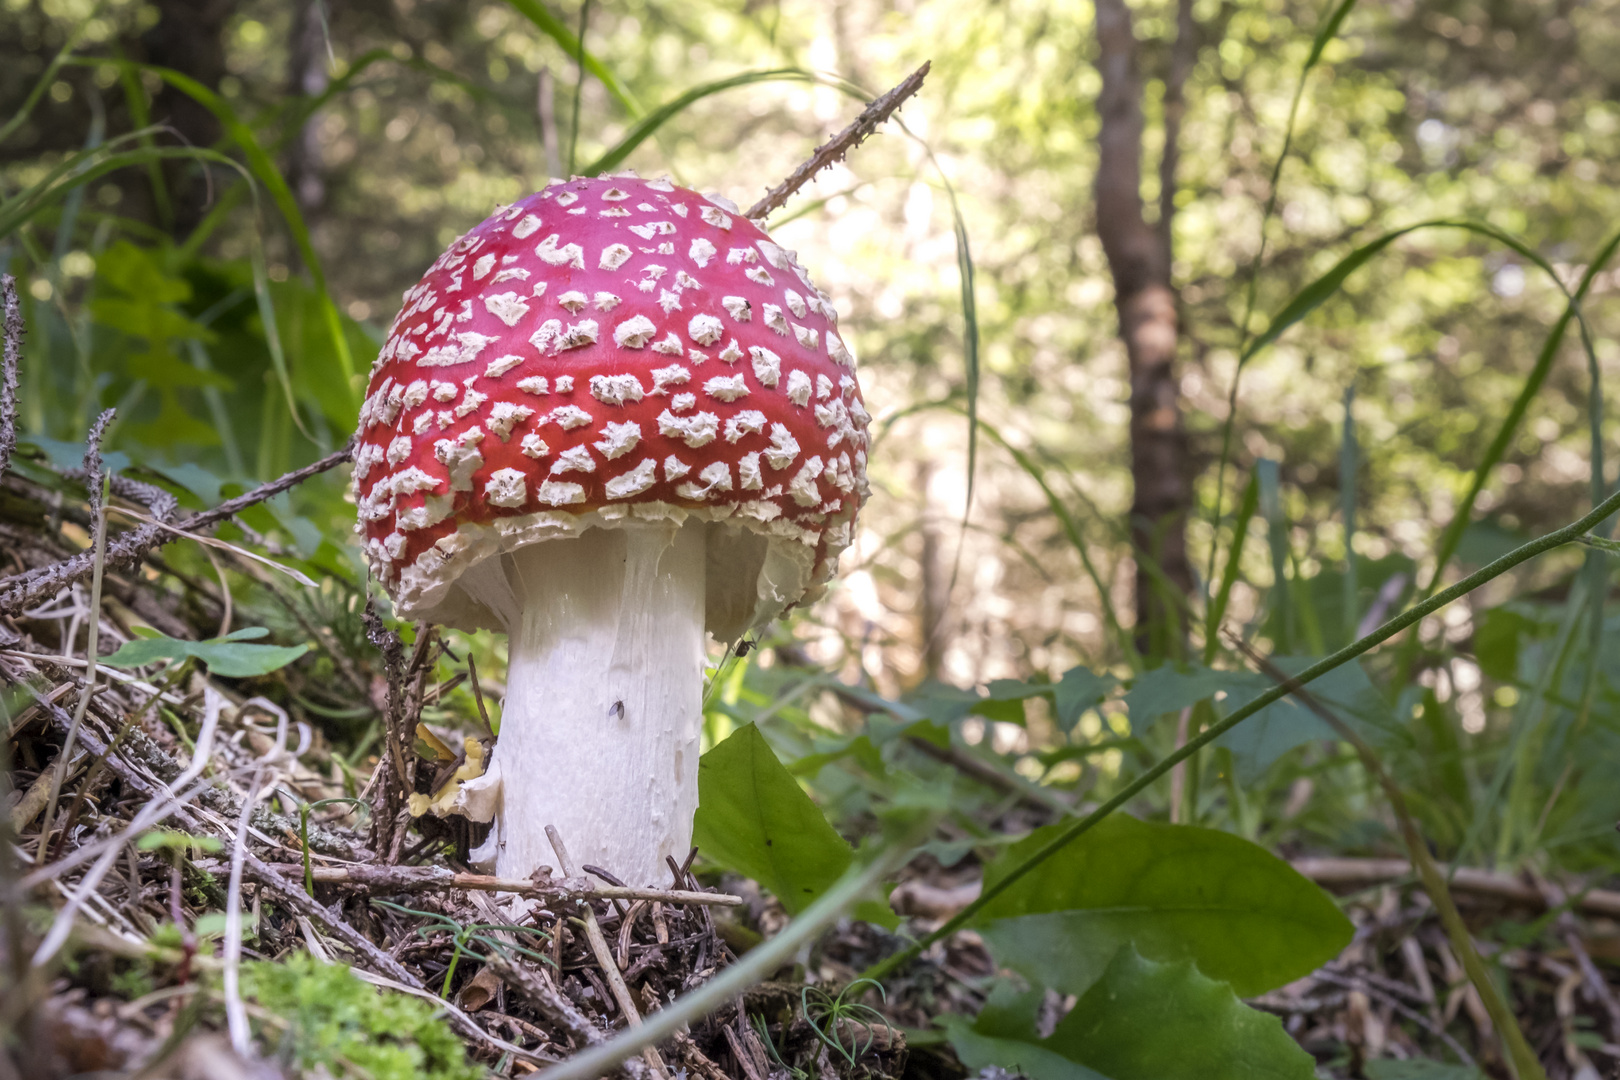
1363,873
604,957
21,591
407,879
834,149
550,1002
98,510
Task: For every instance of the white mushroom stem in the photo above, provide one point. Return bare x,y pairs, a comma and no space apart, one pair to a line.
604,701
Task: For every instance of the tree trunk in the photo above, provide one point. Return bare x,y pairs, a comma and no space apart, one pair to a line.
307,77
188,37
1139,258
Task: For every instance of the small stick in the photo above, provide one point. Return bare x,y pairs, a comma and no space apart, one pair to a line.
98,550
834,149
404,879
604,957
25,590
547,1000
8,368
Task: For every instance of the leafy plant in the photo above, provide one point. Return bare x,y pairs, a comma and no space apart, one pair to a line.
824,1012
229,656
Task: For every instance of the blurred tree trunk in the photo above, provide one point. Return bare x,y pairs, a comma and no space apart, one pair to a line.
188,37
1139,258
307,77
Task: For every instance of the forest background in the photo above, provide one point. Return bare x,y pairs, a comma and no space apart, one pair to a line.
1144,356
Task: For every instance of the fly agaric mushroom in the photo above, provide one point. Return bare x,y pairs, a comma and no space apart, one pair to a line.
609,418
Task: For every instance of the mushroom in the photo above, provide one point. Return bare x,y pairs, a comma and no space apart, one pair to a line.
611,417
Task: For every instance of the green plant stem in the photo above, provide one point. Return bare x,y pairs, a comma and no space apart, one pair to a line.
1521,1058
1407,618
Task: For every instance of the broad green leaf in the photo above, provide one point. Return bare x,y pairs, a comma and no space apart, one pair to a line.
145,319
1171,688
230,656
1079,689
133,271
70,455
1141,1021
1175,892
1419,1069
754,818
1273,731
1149,1021
1496,641
940,702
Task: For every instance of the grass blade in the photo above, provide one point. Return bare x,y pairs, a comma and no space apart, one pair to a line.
20,117
648,125
552,27
1071,528
1347,511
264,169
84,167
1324,34
1234,557
1282,612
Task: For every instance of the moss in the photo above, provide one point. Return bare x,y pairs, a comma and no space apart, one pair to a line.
331,1019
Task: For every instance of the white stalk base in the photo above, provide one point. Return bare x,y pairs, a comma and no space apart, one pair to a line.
604,701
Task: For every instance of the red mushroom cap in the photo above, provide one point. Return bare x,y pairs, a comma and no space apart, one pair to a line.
601,351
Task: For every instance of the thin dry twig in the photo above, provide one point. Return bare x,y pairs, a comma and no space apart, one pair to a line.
409,879
547,1000
92,468
21,591
834,149
604,957
1370,988
13,330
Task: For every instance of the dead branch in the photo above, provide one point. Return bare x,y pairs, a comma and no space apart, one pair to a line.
604,958
21,591
834,149
13,330
1363,873
547,1000
409,879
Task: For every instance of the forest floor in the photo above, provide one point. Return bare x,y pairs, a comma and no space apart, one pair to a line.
184,795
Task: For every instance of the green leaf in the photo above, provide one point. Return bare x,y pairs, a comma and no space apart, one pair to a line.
1175,892
1497,642
1283,725
754,818
229,656
1150,1021
144,319
1172,688
1141,1021
1079,689
1419,1069
133,271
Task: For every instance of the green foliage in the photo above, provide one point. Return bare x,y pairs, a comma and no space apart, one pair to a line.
1140,1021
229,656
328,1019
824,1011
1173,892
755,819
